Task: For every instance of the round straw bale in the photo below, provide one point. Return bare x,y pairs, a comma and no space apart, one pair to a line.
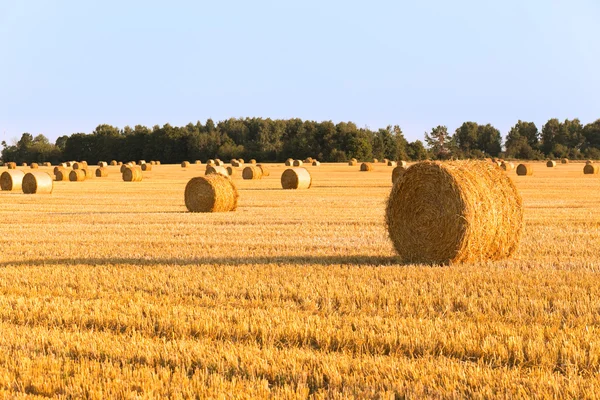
230,171
309,160
216,169
211,193
62,174
77,175
12,180
37,182
124,166
354,159
289,162
89,174
551,164
507,166
462,211
564,161
64,165
366,166
402,164
252,161
352,163
385,161
185,164
198,162
84,163
397,173
11,165
34,165
263,169
589,162
298,163
132,174
241,160
103,164
211,162
47,164
375,160
525,169
24,164
234,162
56,169
102,172
157,162
146,167
120,163
69,164
296,178
113,163
252,172
77,165
392,163
591,169
219,163
142,162
316,163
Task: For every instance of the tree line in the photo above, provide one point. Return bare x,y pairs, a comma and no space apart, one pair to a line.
276,140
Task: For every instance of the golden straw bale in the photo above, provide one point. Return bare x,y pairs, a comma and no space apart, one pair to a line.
385,161
198,162
120,163
507,166
234,162
402,164
564,161
551,164
77,165
124,167
391,163
352,163
366,166
252,161
354,160
114,163
263,169
211,162
132,174
216,169
211,193
77,175
69,164
591,169
289,162
58,168
316,163
588,162
309,160
375,161
298,163
525,169
37,182
185,164
454,212
252,172
102,172
11,165
397,173
64,165
157,162
47,164
219,163
241,160
84,163
230,171
146,167
103,164
24,164
34,165
296,178
140,162
62,174
12,180
89,174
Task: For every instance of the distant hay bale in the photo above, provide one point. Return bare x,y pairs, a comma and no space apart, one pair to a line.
392,163
103,164
124,167
507,166
157,162
298,163
524,169
62,174
185,164
454,212
114,163
37,182
385,161
375,161
252,161
88,173
230,171
102,172
216,169
197,162
263,169
11,165
132,174
24,164
289,162
12,180
59,168
241,160
316,163
366,167
591,169
234,162
588,162
47,164
354,160
211,162
141,162
64,165
564,161
146,167
219,163
69,164
397,173
252,172
352,163
77,165
132,163
296,178
34,165
309,160
211,193
77,175
402,164
120,163
551,164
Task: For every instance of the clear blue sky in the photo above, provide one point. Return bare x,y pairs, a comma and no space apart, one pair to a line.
67,66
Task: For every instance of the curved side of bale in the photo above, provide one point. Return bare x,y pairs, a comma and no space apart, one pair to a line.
11,165
102,172
146,167
62,174
462,211
564,161
77,175
289,162
88,173
263,169
215,169
219,163
211,162
309,160
507,166
551,164
385,161
37,182
185,164
23,164
132,174
252,172
366,167
252,161
402,164
352,163
47,164
397,173
211,193
524,169
591,169
392,163
77,165
375,161
34,165
296,178
230,171
114,163
298,163
198,162
59,168
354,160
84,163
12,180
316,163
102,164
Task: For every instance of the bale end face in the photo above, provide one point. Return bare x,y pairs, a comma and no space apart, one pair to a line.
185,164
591,169
216,169
296,178
551,164
366,167
77,175
37,183
102,172
263,169
525,169
252,172
12,180
132,174
211,193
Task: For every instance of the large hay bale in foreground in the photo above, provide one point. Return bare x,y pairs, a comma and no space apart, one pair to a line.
146,167
462,211
296,178
252,172
102,172
564,161
524,169
211,193
591,169
37,182
551,164
397,173
264,170
12,180
62,174
77,175
366,167
216,169
391,163
132,174
34,165
185,164
289,162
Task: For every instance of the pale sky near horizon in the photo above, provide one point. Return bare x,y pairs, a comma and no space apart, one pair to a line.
68,66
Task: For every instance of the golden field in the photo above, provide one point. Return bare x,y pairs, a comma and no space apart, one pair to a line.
111,289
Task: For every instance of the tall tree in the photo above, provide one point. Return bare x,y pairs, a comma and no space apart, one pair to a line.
438,141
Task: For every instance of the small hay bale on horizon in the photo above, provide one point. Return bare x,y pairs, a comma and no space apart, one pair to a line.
525,170
564,161
252,172
353,163
591,169
397,173
375,161
11,165
37,182
551,164
391,163
102,164
316,163
34,165
47,164
219,163
12,180
102,172
114,163
289,162
298,163
296,178
146,167
198,162
185,164
264,170
76,175
216,169
211,193
366,166
252,161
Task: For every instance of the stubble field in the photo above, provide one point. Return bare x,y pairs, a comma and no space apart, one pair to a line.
112,289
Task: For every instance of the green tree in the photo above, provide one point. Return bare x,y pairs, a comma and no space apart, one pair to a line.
416,151
438,142
467,137
489,140
551,132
